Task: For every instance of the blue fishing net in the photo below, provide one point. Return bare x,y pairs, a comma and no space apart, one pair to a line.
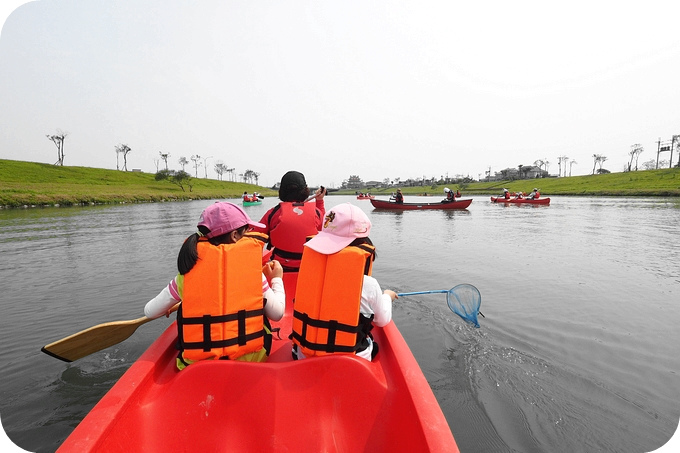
465,300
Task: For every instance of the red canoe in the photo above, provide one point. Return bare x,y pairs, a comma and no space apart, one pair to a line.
334,403
521,200
384,204
365,197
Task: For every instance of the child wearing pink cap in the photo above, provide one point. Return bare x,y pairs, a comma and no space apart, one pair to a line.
228,295
348,253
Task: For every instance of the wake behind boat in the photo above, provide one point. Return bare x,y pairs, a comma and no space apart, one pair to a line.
385,204
334,403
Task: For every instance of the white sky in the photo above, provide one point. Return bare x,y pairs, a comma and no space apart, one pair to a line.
381,89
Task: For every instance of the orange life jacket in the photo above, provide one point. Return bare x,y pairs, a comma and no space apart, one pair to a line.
327,318
222,310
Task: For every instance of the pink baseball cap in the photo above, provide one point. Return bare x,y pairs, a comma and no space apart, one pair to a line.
223,217
342,225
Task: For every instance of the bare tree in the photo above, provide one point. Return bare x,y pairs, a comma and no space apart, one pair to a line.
559,166
250,176
596,159
220,169
124,150
164,157
58,140
183,161
601,161
649,165
195,159
634,153
562,160
539,163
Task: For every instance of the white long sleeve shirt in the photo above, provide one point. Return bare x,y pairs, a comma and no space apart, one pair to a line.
170,295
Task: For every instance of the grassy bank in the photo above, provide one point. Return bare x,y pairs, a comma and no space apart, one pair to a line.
664,182
36,184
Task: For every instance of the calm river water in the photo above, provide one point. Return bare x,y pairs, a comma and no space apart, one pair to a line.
577,352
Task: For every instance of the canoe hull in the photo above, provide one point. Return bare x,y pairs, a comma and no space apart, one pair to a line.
521,200
332,403
252,203
384,204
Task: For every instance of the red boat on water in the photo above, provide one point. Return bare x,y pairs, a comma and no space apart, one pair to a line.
336,403
521,200
385,204
365,197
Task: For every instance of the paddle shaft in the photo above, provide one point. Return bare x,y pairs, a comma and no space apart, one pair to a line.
95,338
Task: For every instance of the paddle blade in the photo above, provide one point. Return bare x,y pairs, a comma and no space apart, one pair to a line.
92,340
465,300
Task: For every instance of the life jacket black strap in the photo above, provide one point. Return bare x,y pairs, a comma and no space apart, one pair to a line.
333,326
208,344
286,254
208,320
262,237
369,259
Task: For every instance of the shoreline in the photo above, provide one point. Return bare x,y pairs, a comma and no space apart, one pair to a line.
26,185
81,204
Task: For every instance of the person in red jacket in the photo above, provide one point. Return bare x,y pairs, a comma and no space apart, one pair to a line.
450,196
290,222
399,197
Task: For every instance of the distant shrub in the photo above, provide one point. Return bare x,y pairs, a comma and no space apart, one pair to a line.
180,178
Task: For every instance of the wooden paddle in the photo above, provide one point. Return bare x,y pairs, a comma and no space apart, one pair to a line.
95,338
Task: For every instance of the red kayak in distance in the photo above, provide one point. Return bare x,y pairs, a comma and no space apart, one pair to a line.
521,200
384,204
335,403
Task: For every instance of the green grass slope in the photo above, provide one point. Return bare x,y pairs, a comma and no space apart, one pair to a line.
36,184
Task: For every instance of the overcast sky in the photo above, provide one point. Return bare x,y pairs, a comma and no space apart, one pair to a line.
381,89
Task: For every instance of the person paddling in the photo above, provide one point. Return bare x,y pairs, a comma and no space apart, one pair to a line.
220,278
290,222
450,196
534,194
399,197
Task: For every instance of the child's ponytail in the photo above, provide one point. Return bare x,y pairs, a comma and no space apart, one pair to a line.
188,254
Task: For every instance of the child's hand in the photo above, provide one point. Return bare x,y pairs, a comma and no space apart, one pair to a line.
272,269
320,193
391,293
